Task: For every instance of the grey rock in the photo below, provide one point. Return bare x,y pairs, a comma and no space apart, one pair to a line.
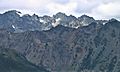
91,48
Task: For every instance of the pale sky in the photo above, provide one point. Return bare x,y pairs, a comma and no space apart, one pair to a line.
99,9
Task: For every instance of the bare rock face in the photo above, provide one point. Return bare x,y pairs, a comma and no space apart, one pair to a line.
15,21
91,48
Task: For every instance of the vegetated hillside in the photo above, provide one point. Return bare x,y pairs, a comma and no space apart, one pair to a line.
11,61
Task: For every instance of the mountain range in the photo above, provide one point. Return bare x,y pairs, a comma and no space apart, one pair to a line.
61,43
15,22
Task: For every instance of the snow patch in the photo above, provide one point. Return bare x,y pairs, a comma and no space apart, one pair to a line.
42,21
77,27
84,23
104,23
58,19
57,22
13,26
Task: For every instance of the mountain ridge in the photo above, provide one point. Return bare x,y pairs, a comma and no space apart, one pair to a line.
15,22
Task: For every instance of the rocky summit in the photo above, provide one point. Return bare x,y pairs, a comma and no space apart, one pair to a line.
60,43
15,21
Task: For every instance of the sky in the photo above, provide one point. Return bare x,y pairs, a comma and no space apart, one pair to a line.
99,9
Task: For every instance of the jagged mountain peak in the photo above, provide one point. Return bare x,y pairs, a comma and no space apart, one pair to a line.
112,20
85,16
60,14
86,20
27,22
13,12
113,23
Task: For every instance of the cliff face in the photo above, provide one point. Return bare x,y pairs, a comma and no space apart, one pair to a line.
69,46
94,47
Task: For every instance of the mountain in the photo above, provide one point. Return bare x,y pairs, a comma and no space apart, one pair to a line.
93,47
86,20
11,61
14,21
